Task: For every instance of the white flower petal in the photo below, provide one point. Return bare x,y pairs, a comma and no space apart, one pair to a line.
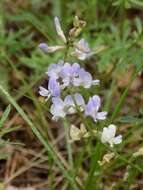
105,136
101,115
79,99
43,91
112,129
57,108
108,135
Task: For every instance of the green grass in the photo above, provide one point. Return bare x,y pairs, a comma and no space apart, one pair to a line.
116,25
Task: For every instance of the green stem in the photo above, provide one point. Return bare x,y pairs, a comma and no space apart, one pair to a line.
69,147
92,178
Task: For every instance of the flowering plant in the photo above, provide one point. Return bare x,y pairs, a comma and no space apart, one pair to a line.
64,81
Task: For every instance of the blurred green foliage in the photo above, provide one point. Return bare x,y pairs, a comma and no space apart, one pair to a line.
115,33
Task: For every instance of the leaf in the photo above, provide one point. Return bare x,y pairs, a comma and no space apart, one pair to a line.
137,3
130,119
137,59
138,25
9,130
5,115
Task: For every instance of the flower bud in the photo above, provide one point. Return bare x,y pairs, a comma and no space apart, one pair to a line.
50,49
59,30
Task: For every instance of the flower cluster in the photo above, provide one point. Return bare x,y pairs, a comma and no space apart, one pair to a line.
65,77
81,48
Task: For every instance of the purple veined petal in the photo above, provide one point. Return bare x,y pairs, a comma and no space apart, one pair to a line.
75,68
79,99
118,139
69,73
66,70
69,100
55,69
44,47
96,102
86,78
59,30
70,104
101,115
54,87
93,105
89,107
52,70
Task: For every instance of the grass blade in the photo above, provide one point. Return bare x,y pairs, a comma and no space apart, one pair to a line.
40,137
5,115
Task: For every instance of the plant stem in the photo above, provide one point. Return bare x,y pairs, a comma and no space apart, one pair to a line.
69,147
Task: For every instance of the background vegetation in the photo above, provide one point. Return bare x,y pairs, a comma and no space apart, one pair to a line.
115,34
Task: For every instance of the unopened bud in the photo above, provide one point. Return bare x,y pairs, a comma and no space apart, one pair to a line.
50,49
59,30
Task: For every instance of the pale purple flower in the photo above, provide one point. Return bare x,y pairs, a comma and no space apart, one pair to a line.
92,109
69,74
82,50
53,89
44,92
50,49
108,135
55,69
85,79
73,101
59,30
60,108
73,75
